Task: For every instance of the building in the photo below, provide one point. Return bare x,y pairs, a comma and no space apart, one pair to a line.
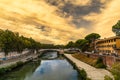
108,45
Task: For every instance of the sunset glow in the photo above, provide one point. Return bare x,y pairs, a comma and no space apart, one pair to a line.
59,21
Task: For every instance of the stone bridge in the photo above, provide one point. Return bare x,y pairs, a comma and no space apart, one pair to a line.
60,51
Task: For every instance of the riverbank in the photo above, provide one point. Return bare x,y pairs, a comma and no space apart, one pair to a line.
56,69
20,59
12,64
85,58
92,73
81,72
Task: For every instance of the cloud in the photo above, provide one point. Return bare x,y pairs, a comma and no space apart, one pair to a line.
59,21
80,2
104,21
28,18
76,12
61,3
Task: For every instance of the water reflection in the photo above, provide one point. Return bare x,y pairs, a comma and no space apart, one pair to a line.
54,70
20,73
50,55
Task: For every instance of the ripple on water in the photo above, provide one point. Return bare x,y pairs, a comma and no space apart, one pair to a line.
54,70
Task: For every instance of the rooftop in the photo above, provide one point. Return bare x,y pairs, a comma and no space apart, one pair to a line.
110,38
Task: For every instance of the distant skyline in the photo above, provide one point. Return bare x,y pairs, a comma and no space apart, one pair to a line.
59,21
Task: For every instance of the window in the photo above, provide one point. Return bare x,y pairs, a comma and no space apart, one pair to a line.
114,40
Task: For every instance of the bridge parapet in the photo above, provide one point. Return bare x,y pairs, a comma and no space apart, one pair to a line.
58,50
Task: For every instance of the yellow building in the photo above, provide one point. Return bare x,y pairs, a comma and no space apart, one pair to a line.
108,45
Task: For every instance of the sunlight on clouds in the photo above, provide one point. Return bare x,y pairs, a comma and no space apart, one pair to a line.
108,18
104,21
24,15
38,19
80,2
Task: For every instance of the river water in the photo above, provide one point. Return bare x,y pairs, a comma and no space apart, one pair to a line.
51,67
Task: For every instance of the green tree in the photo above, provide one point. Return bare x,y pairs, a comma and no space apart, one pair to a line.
70,44
7,41
116,28
81,44
20,45
91,37
59,46
10,41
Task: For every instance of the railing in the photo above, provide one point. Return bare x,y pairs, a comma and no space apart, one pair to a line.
116,47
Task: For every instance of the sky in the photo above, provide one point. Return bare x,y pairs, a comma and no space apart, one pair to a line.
59,21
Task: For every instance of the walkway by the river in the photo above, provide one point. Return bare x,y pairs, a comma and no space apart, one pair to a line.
22,58
92,72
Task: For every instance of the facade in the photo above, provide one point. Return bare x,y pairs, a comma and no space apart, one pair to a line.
108,45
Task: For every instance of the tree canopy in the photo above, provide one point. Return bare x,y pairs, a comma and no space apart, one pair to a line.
116,28
91,37
82,44
70,44
11,41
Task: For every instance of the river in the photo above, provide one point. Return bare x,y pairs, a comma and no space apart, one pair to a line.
51,67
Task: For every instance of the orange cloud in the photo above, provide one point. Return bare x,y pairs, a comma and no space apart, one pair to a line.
103,22
26,16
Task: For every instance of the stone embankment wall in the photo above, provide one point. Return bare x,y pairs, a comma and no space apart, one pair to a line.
108,60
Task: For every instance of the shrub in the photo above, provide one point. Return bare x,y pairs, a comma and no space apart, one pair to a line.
83,74
116,71
9,68
2,70
19,63
99,60
99,63
116,77
88,79
107,78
